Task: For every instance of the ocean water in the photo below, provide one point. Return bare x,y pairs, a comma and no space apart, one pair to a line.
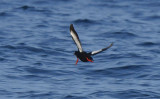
36,49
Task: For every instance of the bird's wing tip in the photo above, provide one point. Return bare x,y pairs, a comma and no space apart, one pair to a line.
71,27
112,44
71,24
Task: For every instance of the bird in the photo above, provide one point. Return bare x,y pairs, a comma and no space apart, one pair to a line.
81,54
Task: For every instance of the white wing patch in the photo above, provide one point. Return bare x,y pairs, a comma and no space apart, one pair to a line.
94,52
76,40
101,50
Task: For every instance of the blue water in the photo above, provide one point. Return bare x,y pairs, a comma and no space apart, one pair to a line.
36,49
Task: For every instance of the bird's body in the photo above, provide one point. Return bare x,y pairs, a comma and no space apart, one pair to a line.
83,56
80,54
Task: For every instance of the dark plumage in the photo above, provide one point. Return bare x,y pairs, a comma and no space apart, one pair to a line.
80,54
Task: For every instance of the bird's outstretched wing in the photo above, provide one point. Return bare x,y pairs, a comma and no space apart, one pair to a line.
75,38
98,51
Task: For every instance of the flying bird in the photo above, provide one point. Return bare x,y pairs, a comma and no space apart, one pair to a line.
81,54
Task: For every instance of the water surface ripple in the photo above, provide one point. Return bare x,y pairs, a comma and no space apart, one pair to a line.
36,49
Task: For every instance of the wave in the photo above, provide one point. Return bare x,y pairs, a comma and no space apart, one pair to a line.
135,94
119,35
124,35
84,21
147,44
3,14
127,71
26,7
129,94
74,97
6,14
24,48
35,9
34,94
